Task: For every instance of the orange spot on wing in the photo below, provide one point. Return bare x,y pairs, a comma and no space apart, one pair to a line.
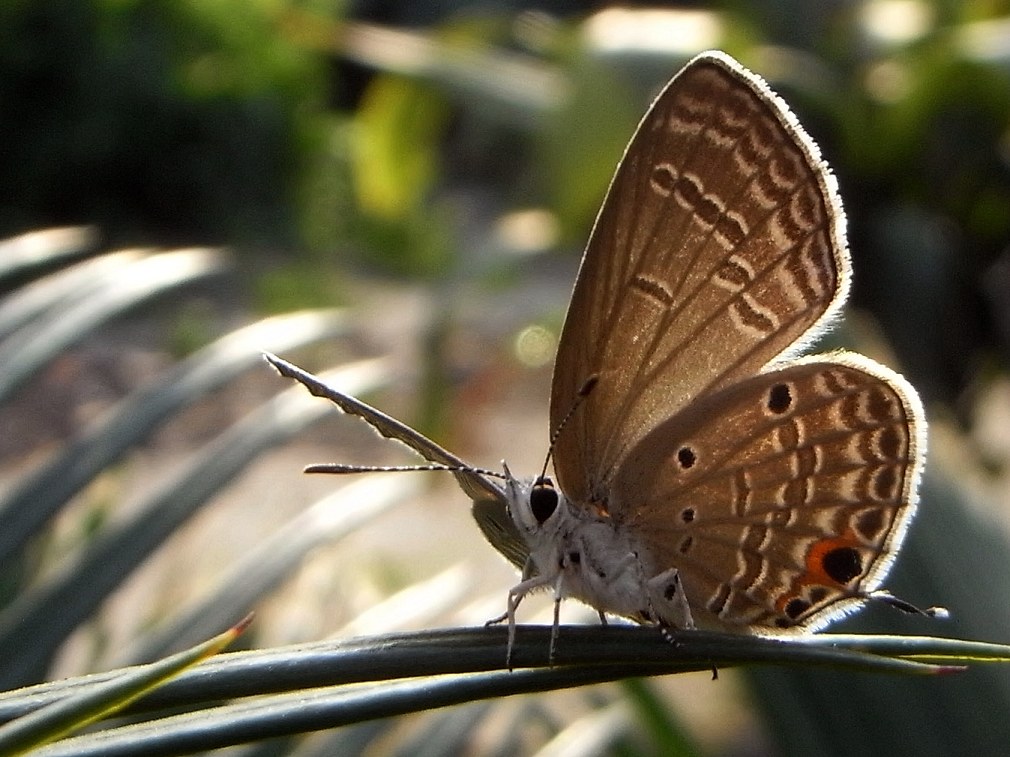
816,573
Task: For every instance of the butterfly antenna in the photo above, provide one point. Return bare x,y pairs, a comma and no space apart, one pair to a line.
339,468
587,386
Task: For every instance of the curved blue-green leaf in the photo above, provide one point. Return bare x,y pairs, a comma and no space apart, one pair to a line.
34,625
24,352
35,251
27,505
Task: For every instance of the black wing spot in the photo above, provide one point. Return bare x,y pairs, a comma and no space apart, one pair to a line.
686,457
780,399
843,564
796,607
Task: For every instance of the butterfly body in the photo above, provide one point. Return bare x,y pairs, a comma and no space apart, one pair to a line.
583,553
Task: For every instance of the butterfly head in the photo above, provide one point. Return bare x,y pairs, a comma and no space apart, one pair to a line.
532,503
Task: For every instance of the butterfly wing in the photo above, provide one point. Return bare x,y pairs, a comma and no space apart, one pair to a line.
719,246
476,486
782,500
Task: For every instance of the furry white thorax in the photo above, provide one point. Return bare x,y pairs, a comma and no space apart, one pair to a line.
580,554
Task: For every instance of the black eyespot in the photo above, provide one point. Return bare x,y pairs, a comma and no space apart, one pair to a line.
780,398
842,564
575,558
543,500
686,457
796,607
687,514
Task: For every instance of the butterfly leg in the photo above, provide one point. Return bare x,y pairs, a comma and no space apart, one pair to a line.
516,595
557,621
496,620
666,594
529,570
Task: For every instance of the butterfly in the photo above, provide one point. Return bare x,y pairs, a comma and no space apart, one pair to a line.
705,476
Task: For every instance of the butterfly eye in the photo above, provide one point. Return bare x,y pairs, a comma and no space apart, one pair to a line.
543,500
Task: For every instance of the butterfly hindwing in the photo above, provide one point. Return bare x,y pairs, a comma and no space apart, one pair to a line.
780,500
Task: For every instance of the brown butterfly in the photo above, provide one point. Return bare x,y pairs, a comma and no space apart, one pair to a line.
706,477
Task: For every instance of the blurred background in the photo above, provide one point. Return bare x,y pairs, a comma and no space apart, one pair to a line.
400,192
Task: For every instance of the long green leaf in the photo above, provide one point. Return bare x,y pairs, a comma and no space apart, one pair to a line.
101,700
468,663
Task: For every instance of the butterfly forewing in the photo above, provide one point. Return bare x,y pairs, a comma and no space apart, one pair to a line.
781,500
476,486
718,247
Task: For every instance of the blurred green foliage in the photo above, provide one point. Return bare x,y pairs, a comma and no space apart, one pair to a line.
305,129
182,122
395,169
